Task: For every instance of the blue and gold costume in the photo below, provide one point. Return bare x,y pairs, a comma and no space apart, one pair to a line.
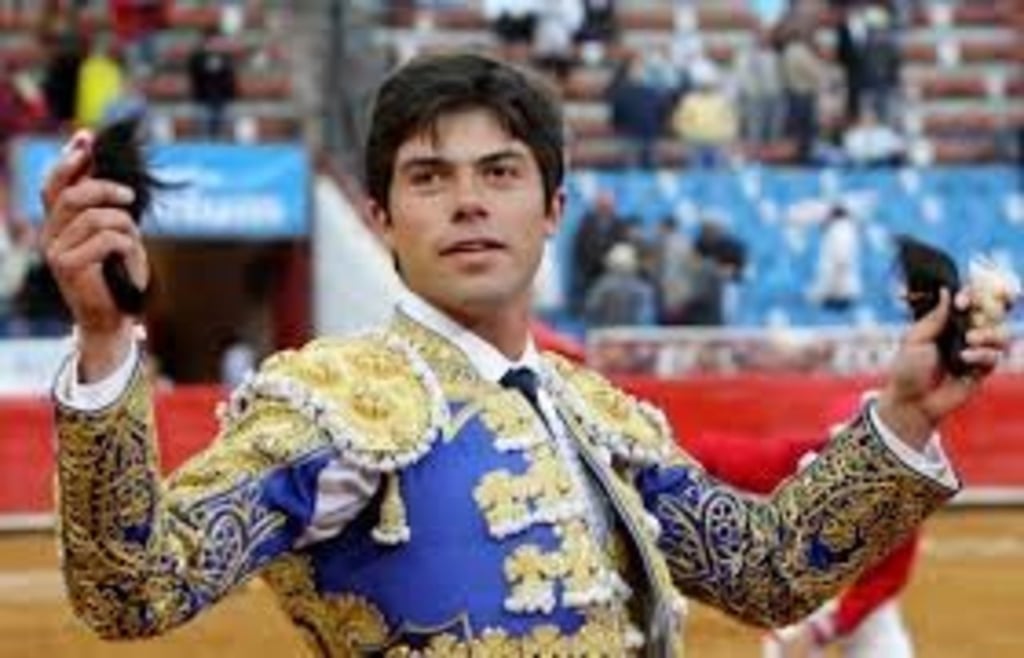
477,540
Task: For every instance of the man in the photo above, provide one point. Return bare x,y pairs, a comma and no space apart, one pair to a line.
438,486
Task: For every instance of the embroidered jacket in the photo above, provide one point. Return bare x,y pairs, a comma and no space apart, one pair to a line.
476,542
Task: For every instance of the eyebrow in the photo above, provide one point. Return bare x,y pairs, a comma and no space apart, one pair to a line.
431,161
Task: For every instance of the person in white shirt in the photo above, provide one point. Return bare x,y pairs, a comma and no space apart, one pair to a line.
837,283
439,487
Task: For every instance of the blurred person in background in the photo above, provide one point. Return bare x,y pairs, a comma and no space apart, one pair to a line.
136,24
620,297
805,75
706,120
514,22
17,245
599,228
100,83
600,24
837,284
639,109
211,73
871,143
442,453
22,107
758,80
66,49
557,21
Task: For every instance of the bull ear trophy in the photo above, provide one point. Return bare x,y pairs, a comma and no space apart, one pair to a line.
926,271
119,156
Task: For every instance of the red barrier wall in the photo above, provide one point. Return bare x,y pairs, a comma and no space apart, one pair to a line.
986,438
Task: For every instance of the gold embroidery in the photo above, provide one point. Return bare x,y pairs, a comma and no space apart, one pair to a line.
770,563
367,385
600,637
139,560
631,429
339,625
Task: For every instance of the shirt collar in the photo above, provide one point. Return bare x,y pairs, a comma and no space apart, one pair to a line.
485,358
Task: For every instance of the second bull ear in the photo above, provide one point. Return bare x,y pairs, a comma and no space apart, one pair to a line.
926,271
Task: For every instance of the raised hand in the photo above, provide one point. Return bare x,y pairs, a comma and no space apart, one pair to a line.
87,220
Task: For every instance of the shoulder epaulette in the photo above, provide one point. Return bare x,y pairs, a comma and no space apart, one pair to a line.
373,395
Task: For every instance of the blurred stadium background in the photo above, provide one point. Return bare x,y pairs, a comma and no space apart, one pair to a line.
720,139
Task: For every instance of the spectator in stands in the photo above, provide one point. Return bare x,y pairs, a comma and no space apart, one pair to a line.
804,75
599,22
100,83
16,247
639,109
136,24
851,42
671,250
66,50
22,107
514,22
872,143
599,229
211,73
620,296
881,64
837,283
699,293
557,21
706,120
762,105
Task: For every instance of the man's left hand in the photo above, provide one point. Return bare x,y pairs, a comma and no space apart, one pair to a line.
919,393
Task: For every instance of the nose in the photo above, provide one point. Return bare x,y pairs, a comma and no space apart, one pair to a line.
469,199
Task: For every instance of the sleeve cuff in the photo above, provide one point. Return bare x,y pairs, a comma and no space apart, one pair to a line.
930,462
96,395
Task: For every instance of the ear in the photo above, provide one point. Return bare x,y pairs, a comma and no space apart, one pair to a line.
380,222
553,218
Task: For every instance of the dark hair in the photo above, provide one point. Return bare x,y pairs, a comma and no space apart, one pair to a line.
419,93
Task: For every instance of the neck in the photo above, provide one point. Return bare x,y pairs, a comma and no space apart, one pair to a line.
507,328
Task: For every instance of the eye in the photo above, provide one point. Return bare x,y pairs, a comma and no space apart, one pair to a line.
501,171
425,178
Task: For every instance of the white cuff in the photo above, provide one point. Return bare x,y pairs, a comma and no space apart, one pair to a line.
96,395
930,462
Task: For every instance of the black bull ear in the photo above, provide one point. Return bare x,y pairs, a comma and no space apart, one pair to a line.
119,155
926,271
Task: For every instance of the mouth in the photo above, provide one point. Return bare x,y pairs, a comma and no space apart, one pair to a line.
474,246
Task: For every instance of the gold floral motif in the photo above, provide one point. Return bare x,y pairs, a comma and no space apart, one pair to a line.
532,574
502,497
458,377
370,386
340,625
601,636
507,414
138,556
629,428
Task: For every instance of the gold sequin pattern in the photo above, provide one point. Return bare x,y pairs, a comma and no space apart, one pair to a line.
140,558
772,563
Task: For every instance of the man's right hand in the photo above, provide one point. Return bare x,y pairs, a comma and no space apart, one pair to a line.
86,221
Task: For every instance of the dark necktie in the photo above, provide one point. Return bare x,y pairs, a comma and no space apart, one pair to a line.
523,380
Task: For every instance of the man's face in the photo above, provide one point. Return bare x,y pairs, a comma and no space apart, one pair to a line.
466,216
